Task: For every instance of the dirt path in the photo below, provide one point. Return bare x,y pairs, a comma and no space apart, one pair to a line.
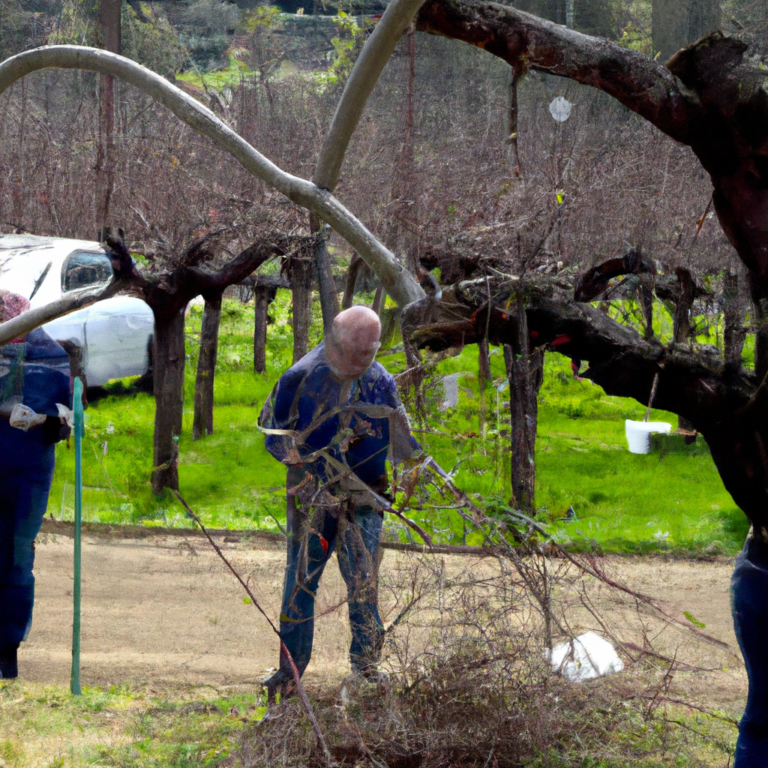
163,611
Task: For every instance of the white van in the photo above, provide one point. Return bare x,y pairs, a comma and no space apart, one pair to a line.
115,334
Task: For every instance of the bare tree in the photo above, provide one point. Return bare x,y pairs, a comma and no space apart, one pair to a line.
202,423
676,23
110,34
399,284
708,98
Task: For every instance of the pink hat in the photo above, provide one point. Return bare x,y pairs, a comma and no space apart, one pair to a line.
12,305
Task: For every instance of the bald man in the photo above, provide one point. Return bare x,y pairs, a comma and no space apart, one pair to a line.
327,507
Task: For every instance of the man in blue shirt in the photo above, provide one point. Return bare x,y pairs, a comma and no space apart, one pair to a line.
334,419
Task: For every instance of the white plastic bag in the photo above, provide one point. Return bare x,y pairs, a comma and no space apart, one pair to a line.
585,657
24,418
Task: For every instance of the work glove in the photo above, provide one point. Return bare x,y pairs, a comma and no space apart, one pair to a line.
54,430
24,418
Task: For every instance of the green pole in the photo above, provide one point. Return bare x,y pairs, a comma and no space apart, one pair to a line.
78,409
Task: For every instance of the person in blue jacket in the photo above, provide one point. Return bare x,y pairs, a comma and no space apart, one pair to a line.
34,377
334,419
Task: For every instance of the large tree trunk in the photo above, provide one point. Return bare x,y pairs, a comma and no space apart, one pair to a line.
206,368
525,373
734,310
681,324
110,32
263,296
677,23
760,305
169,353
301,286
355,264
726,406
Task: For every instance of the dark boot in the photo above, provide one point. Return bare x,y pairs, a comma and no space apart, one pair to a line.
9,667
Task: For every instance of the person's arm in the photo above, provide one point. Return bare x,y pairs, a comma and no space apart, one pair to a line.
402,443
279,414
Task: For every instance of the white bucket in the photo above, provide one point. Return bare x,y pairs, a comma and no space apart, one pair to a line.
639,434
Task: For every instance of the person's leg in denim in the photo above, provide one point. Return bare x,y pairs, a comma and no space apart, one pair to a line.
23,501
749,603
359,565
310,545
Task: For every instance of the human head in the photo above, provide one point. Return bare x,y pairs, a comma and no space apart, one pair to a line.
353,342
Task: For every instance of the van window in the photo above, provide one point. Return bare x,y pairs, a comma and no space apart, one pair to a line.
84,269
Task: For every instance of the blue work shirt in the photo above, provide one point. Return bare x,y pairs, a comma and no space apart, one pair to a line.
307,391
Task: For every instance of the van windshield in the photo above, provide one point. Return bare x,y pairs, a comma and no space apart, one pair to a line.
84,269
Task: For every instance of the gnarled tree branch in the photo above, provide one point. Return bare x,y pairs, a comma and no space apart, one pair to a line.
724,402
524,41
398,282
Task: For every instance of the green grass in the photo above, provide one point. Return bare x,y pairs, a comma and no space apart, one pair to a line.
623,502
43,725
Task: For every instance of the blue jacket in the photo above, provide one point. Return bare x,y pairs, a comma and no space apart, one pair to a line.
34,372
309,390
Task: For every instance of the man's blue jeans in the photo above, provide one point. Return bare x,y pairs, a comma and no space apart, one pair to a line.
749,603
25,480
356,536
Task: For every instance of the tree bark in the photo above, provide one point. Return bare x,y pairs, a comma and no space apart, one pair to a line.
169,353
206,367
734,311
263,296
329,300
727,406
76,365
349,289
378,300
681,324
22,324
301,282
362,80
525,374
484,363
677,23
